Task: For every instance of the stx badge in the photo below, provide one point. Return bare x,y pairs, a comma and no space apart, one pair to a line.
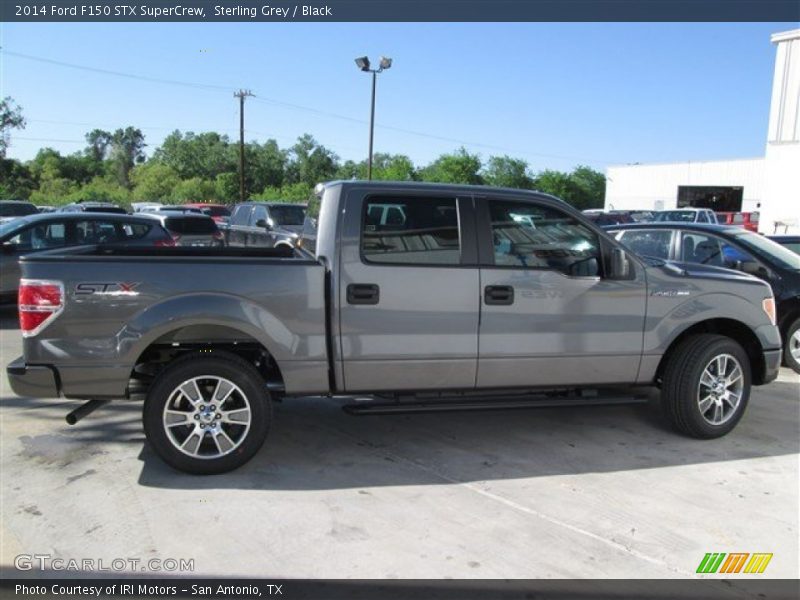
107,288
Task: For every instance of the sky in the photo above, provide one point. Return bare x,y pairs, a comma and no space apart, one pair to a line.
555,94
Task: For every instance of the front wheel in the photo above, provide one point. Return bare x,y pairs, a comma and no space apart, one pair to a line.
207,413
706,385
791,347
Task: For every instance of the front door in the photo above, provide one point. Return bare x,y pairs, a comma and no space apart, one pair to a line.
408,292
548,316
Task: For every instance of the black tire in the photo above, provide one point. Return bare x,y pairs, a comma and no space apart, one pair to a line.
681,383
791,343
248,440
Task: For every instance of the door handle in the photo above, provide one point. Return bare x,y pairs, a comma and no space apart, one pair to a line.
363,293
498,294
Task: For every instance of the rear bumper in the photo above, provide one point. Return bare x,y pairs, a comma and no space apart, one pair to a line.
772,364
36,381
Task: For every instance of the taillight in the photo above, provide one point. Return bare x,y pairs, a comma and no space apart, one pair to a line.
175,238
168,242
39,303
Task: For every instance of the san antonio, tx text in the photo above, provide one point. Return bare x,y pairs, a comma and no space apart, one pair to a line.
130,589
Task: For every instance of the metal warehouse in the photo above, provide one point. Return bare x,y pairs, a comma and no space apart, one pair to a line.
768,184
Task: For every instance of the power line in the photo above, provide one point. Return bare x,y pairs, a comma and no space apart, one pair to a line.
294,106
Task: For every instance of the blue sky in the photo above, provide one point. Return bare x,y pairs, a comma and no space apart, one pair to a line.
556,95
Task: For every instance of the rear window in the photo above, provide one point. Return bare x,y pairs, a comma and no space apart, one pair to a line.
17,209
191,225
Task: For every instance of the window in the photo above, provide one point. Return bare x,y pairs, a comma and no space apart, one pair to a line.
411,231
191,225
241,214
705,249
539,237
135,231
259,214
648,242
702,217
288,215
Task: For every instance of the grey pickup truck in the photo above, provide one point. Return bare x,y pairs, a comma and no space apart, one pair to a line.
411,297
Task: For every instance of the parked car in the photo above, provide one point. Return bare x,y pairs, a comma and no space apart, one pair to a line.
219,212
606,219
265,224
686,215
145,206
733,248
189,228
792,242
105,207
46,209
11,209
459,306
177,208
35,233
748,220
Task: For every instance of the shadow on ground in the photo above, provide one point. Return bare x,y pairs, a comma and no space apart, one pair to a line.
313,445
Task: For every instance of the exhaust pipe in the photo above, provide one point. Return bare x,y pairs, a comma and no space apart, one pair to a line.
84,410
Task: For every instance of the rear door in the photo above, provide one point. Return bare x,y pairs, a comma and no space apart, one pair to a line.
548,316
408,292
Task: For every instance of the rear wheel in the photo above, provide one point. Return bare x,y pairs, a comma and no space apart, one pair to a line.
207,413
706,385
791,347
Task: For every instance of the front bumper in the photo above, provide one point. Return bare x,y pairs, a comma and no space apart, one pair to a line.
772,364
35,381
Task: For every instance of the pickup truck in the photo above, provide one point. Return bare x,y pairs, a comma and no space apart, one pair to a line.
463,297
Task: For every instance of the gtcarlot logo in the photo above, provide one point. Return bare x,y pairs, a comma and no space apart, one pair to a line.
735,562
45,562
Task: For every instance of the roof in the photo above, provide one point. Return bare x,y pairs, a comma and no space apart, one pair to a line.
729,229
79,216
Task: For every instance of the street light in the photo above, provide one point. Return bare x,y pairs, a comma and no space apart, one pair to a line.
363,64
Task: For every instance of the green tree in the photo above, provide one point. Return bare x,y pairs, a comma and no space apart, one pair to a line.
127,150
16,179
99,143
264,165
226,187
590,187
153,181
100,189
385,167
194,190
203,155
556,183
310,162
292,192
459,167
10,118
504,171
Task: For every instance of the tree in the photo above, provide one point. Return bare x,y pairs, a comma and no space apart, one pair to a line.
203,155
293,192
459,167
16,179
10,118
153,181
100,189
264,165
226,187
556,183
590,187
99,142
385,167
194,190
127,150
504,171
310,162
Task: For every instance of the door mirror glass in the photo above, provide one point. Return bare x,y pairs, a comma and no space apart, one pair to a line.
620,264
263,224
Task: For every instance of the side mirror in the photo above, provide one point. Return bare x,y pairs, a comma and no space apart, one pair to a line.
263,224
620,265
752,267
9,248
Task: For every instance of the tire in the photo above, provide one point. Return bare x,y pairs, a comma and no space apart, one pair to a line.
791,346
696,403
189,432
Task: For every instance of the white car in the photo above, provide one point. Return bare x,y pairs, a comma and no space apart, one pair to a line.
686,215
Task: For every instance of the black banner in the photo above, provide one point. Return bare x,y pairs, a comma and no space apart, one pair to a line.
404,589
398,10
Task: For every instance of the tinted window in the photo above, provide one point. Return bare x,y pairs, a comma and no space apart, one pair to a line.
776,253
216,211
527,235
706,249
259,214
422,231
40,237
241,214
702,217
191,225
287,215
17,209
649,242
135,231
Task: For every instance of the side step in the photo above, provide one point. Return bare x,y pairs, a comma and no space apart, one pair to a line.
484,403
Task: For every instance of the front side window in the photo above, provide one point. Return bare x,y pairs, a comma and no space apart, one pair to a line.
422,231
541,237
241,214
648,242
706,249
259,214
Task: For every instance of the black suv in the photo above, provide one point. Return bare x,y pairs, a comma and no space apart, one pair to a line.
265,224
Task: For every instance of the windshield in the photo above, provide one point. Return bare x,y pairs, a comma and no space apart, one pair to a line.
288,215
681,216
783,257
17,209
10,227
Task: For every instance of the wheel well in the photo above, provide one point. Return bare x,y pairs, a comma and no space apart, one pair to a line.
791,312
206,338
735,330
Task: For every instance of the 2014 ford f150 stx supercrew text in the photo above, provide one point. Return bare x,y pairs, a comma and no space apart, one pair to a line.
418,296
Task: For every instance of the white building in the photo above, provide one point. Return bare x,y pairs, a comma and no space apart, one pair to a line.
769,184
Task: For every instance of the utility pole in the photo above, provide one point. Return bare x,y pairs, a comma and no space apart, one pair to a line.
241,95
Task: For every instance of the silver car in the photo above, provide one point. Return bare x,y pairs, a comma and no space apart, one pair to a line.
189,228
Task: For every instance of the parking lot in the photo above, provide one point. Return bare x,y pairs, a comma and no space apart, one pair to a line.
574,492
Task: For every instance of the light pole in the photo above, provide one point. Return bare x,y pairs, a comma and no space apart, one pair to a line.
363,64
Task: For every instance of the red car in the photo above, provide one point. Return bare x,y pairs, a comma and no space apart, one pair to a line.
219,212
748,220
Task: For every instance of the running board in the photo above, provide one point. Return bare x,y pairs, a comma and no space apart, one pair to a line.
442,405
